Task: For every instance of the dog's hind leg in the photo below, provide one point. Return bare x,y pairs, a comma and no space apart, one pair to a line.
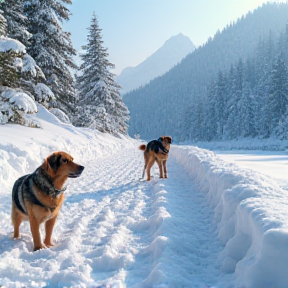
146,162
144,171
16,220
165,169
149,165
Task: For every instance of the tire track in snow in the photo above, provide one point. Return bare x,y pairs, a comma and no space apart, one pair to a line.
142,233
183,247
107,201
190,257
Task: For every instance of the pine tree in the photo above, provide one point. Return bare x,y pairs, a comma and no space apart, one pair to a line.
3,24
16,21
278,96
101,106
9,76
51,48
212,121
233,119
221,101
247,113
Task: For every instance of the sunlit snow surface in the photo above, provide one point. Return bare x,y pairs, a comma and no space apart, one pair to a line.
211,224
271,163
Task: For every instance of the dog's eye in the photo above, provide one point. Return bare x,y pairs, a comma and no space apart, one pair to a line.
65,161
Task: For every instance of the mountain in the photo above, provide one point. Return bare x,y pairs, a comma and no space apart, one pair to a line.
170,54
159,108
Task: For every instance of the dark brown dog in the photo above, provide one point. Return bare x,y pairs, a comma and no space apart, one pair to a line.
156,150
37,197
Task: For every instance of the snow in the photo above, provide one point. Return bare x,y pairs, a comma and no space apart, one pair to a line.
274,165
19,100
7,44
60,115
210,224
29,65
43,92
18,63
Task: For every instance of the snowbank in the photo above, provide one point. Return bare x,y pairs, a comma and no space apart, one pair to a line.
251,212
23,150
7,44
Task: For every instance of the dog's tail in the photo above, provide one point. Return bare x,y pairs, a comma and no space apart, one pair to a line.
142,147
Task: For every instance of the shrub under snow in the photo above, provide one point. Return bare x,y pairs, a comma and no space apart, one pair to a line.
43,93
14,107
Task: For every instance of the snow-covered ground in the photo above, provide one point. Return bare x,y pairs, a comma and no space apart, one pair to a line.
211,224
271,163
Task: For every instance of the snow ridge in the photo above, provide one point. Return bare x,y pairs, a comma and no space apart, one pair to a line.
251,213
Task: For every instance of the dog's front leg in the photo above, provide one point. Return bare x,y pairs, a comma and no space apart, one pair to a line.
149,165
159,162
49,225
35,230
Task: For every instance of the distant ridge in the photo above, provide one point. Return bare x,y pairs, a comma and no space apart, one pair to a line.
160,62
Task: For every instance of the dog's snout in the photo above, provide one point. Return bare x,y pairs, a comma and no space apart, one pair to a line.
80,169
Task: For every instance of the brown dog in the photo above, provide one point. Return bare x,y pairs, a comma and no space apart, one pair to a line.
37,197
156,150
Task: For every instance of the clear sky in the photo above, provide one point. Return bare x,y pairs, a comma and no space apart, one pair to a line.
134,29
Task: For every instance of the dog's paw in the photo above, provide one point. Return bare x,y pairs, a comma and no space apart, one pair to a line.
14,237
36,248
48,245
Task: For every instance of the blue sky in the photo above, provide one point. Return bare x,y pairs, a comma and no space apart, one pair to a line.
134,29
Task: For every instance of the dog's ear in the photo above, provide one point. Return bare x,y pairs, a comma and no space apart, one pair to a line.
169,139
54,161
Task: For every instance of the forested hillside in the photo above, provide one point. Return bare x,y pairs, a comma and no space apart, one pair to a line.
249,99
161,107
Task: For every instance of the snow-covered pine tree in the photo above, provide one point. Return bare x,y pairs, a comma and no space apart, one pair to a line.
278,95
20,82
100,103
52,49
9,75
235,87
16,21
3,24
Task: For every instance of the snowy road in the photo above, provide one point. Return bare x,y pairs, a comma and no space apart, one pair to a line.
139,233
116,230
